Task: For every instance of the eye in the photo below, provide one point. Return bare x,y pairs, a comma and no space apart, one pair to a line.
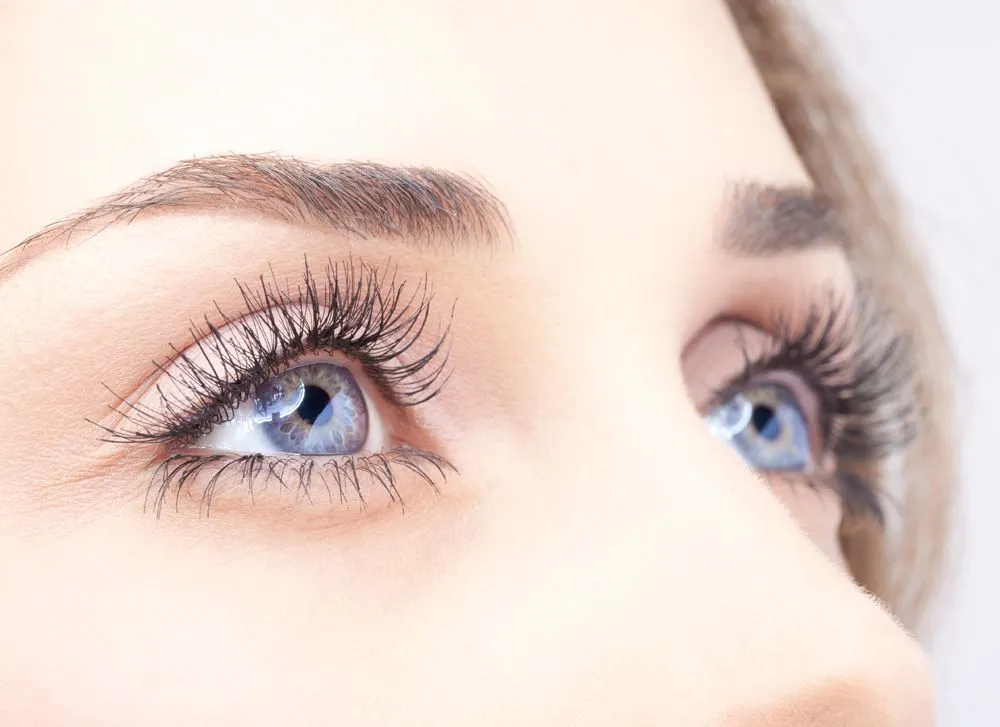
316,409
767,427
305,393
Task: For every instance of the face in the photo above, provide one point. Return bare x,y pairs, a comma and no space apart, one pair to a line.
442,363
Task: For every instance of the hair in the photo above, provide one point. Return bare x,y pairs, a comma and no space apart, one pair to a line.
902,565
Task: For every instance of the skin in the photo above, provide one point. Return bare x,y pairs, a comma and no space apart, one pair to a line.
600,558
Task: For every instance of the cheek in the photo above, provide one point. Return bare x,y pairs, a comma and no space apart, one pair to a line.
132,621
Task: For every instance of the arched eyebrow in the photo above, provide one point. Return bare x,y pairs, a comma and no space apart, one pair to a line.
415,205
418,205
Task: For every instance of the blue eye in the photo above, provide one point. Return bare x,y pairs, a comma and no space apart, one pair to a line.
313,409
767,427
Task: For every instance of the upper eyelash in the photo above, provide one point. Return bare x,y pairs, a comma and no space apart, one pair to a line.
355,309
867,395
862,370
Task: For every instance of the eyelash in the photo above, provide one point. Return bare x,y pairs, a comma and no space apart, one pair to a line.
862,372
354,309
348,475
369,315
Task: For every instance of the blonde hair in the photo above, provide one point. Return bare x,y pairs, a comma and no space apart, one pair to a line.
902,566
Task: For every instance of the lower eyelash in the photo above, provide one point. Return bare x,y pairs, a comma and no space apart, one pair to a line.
337,479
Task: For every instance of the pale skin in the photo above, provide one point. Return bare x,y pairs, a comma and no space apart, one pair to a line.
599,557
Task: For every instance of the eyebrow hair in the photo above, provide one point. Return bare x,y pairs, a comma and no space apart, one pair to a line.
764,220
418,205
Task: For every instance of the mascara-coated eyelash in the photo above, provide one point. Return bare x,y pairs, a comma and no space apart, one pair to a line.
862,372
354,309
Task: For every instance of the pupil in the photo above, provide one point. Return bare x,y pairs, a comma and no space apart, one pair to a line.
765,422
315,404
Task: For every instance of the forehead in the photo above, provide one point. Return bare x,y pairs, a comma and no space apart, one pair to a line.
566,108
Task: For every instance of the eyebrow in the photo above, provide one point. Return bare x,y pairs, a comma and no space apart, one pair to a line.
417,205
764,220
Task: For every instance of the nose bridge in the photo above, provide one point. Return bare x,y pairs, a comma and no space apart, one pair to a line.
625,446
620,450
691,572
667,561
615,400
629,477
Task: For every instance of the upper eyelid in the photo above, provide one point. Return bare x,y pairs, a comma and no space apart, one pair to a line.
766,360
753,366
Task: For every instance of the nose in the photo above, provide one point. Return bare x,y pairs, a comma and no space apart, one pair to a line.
678,580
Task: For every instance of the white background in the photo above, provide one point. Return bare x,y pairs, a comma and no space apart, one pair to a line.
927,76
